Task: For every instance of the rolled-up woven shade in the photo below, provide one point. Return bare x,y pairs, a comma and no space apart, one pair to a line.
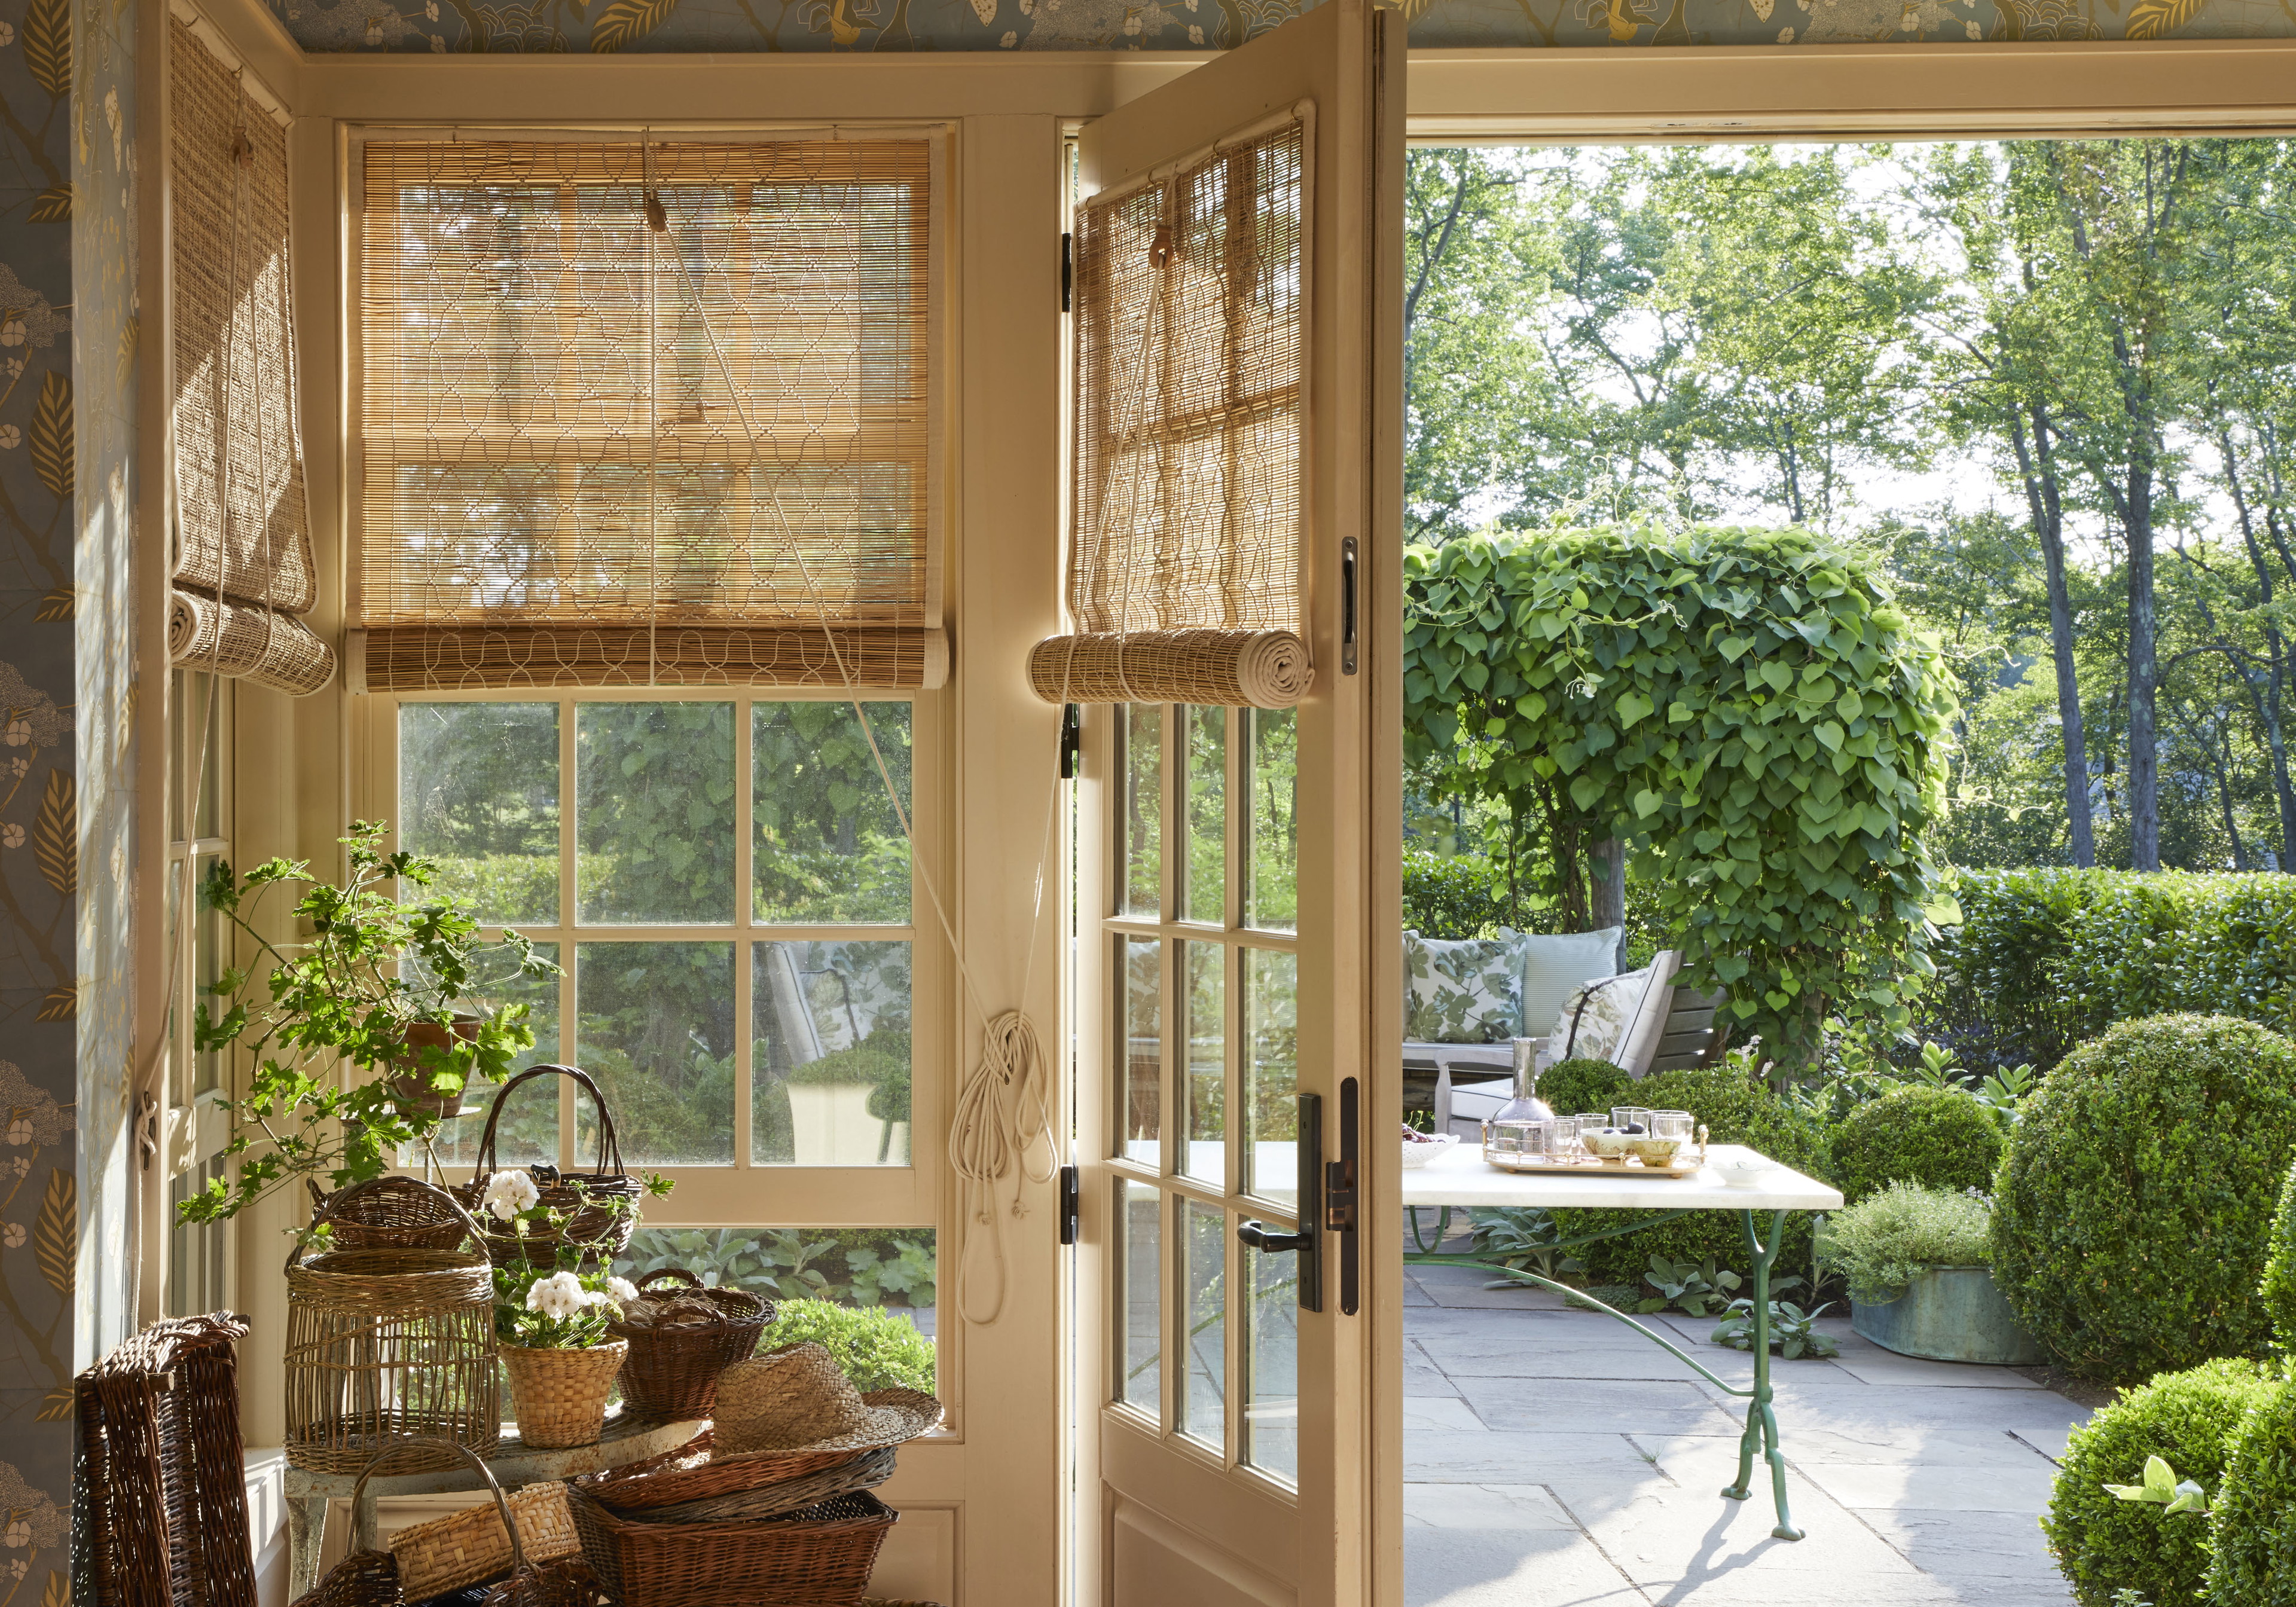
595,453
242,540
258,644
1231,668
1191,341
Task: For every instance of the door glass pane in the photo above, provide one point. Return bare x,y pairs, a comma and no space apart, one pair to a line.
1203,1154
1204,1240
1271,899
1143,1050
1139,1296
1271,1026
1271,1407
829,1059
829,845
656,827
1144,811
478,794
1205,888
655,1028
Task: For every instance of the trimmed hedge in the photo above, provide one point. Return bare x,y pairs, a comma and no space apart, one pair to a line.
1571,1085
2278,1289
2252,1518
876,1349
1942,1138
2103,1544
2133,1207
1735,1109
2046,959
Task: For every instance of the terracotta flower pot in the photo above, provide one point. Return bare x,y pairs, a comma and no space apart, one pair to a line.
558,1398
409,1089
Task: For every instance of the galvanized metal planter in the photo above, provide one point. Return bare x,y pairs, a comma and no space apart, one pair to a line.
1949,1314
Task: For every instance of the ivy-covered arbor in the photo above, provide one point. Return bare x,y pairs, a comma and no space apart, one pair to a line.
1748,708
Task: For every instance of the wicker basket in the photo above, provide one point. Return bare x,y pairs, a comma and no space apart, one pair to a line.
163,1494
691,1472
470,1547
388,1345
558,1398
587,1198
369,1578
821,1556
865,1471
673,1371
396,1213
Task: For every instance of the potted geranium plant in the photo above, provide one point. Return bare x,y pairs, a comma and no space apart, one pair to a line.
550,1316
1918,1262
382,989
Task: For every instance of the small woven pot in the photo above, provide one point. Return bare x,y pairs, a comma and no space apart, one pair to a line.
559,1396
673,1371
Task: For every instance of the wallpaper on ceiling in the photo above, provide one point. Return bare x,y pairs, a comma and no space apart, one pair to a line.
605,25
40,853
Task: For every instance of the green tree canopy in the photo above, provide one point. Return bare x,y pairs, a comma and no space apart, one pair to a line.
1750,707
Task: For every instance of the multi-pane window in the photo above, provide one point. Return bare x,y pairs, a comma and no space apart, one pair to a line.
198,812
726,884
1202,934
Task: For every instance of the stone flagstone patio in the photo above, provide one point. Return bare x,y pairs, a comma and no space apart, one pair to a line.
1554,1457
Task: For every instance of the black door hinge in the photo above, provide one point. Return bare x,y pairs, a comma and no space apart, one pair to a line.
1068,271
1071,741
1071,1203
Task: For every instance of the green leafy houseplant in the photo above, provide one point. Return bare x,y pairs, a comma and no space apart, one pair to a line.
1887,1240
2134,1205
373,970
1938,1136
2252,1520
563,1300
2104,1545
1750,705
878,1350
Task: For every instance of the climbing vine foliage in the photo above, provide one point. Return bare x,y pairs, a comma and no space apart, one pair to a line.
1747,707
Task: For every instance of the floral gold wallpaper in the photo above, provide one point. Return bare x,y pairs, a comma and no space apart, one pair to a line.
606,26
67,321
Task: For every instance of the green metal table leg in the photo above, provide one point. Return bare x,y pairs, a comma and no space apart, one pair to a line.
1761,1419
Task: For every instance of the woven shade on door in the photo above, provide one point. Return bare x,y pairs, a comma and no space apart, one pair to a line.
243,563
1190,382
593,453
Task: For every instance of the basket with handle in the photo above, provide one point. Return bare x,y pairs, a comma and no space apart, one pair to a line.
389,1345
672,1371
471,1546
372,1577
397,1213
590,1203
820,1555
695,1472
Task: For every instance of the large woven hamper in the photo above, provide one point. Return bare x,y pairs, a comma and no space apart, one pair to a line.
821,1556
163,1491
389,1345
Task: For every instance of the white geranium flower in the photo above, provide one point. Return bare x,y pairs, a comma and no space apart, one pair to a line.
561,1294
621,1290
510,1193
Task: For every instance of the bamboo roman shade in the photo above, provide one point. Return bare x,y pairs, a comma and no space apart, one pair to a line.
1191,355
597,452
243,567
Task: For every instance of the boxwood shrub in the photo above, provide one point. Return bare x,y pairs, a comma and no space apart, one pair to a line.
878,1350
1572,1086
2135,1201
2278,1289
2253,1516
1940,1138
1736,1109
2104,1545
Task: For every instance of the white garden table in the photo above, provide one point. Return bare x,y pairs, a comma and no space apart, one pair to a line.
1459,1178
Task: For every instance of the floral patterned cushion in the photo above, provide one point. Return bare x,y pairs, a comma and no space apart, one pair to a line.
1596,1018
1466,990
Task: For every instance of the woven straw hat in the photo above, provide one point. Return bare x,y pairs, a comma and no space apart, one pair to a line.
797,1398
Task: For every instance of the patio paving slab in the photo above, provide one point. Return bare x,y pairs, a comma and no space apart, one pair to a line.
1594,1404
1508,1507
1981,1549
1442,1413
2049,1442
1501,1568
1496,1456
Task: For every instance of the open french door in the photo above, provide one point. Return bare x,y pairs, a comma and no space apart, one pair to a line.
1238,947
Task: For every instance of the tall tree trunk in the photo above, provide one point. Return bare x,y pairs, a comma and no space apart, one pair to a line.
2267,698
1607,891
2144,676
2038,468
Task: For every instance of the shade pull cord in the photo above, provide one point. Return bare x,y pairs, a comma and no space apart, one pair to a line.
1004,1107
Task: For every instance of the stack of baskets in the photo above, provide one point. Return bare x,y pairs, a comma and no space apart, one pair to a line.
771,1505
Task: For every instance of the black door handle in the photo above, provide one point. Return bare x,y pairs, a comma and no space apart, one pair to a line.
1266,1239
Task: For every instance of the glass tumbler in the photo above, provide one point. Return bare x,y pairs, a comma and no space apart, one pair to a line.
1672,1124
1631,1116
